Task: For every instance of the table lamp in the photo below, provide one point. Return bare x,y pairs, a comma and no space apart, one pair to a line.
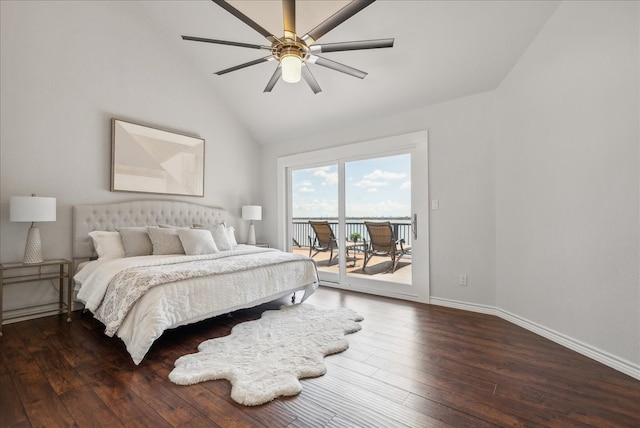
251,213
32,209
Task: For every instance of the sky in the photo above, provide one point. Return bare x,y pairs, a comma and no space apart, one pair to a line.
379,187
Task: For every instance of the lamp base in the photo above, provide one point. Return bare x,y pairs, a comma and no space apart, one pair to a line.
33,249
251,239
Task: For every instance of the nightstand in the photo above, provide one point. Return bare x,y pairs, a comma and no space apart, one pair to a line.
262,245
63,275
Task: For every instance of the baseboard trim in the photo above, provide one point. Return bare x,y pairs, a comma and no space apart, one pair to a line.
374,292
619,364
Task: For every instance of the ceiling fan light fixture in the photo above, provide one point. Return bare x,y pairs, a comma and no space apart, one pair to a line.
294,54
291,68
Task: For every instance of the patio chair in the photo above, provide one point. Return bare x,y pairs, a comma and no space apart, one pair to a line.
324,240
382,242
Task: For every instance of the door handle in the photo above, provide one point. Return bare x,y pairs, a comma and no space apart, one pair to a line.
414,226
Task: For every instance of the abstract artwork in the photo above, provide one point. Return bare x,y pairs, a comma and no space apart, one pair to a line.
151,160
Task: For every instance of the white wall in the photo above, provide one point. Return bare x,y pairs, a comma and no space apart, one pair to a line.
461,176
67,69
567,179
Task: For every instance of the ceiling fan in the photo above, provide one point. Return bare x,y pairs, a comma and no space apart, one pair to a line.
293,53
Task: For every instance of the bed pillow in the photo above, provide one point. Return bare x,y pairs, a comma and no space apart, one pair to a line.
165,241
136,241
219,233
108,245
231,236
197,241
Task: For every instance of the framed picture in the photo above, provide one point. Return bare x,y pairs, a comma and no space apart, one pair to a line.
151,160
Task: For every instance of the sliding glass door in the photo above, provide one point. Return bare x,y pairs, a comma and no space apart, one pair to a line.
360,214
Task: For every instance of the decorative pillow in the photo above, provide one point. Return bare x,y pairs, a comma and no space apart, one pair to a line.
136,241
165,241
231,236
219,233
197,241
108,245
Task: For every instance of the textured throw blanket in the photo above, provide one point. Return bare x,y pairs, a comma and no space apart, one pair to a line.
128,286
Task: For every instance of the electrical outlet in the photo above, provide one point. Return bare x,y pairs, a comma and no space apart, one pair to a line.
463,279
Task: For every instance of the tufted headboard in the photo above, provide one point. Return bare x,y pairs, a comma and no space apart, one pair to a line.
87,218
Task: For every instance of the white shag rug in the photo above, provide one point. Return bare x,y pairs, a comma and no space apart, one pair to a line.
263,359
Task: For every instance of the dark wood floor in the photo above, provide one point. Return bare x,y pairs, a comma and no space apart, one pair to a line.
411,365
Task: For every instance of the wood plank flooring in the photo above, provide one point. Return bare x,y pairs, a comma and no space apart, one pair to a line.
411,365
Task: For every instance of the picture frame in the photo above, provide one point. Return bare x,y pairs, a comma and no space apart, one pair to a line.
153,160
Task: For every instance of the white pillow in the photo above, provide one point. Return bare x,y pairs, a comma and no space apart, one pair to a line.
231,236
219,233
108,245
165,241
197,241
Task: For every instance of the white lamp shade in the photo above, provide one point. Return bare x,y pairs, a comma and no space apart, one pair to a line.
32,208
251,212
291,68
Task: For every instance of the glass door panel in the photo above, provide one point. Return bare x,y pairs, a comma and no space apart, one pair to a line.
314,204
378,219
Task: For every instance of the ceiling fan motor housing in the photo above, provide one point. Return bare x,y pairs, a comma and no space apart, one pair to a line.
290,48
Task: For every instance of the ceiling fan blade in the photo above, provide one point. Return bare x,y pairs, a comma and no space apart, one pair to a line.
225,42
352,46
244,18
311,81
245,65
337,66
274,79
289,18
334,20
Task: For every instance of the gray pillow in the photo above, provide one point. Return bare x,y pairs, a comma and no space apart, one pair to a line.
197,241
136,241
165,241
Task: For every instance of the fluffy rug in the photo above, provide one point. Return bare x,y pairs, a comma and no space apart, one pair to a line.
263,359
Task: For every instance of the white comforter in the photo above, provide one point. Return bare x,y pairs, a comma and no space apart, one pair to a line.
191,300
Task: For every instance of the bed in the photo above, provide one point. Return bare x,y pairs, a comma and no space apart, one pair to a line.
138,295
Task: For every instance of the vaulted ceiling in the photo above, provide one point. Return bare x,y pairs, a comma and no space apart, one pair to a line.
443,50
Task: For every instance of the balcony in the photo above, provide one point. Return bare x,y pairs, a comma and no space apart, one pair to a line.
378,268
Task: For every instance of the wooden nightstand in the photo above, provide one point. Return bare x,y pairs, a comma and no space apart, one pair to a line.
63,274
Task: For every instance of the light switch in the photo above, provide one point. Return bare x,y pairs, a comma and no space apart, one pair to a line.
435,204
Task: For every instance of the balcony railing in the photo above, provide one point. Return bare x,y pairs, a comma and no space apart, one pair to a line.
302,230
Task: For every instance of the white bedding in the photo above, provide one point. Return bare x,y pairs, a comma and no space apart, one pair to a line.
191,300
